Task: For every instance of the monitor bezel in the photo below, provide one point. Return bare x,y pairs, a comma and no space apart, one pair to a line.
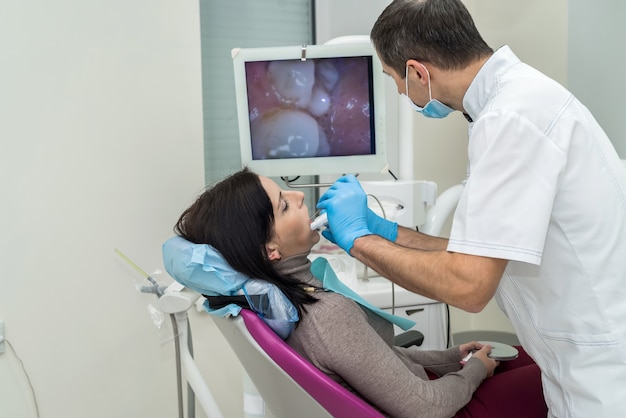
333,165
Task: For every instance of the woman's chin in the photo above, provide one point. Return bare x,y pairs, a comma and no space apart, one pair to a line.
315,236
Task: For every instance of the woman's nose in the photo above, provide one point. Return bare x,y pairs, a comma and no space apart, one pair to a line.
298,196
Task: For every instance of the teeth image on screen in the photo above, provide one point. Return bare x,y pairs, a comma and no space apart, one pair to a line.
318,107
286,133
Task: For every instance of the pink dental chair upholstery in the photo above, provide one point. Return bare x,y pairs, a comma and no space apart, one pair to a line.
289,385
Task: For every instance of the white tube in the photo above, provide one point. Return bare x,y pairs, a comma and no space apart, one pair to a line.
406,157
438,214
192,373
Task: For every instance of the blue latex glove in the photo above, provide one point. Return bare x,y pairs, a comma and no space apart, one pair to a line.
381,226
376,224
345,202
329,236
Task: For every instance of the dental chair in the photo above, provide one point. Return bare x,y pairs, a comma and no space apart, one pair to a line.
289,385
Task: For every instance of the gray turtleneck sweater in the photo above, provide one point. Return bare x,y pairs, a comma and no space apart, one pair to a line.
354,347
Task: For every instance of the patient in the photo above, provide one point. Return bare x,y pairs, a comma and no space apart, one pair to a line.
263,232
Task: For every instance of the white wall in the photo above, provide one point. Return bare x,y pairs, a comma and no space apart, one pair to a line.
101,147
596,63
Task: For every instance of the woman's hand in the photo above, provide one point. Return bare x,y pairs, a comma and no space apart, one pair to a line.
481,352
469,348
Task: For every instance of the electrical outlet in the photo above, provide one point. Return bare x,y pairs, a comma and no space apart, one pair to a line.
2,337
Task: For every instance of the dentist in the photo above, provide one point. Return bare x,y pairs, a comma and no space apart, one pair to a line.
541,222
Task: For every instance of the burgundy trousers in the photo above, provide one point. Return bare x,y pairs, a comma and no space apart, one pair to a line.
514,391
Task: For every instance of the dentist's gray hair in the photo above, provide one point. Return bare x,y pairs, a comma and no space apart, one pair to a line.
441,32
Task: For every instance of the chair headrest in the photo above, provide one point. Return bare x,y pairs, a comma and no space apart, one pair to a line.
201,268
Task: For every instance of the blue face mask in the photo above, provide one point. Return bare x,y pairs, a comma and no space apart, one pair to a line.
434,108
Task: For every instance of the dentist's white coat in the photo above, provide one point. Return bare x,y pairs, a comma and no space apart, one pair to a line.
547,191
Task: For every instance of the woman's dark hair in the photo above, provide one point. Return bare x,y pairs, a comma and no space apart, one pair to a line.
441,32
236,217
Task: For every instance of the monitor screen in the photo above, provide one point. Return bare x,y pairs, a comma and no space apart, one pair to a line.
310,110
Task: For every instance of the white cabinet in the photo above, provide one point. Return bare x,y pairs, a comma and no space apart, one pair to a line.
430,319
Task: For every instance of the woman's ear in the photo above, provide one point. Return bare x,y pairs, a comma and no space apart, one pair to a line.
272,251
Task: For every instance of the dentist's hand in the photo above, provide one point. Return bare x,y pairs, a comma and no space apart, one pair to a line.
345,202
376,224
381,226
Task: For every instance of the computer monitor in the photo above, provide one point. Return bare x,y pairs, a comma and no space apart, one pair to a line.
311,110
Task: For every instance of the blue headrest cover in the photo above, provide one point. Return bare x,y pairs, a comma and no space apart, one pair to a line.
201,268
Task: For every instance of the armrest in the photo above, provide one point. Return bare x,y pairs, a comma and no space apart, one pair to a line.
409,338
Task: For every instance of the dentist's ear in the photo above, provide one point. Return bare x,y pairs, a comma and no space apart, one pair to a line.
419,69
